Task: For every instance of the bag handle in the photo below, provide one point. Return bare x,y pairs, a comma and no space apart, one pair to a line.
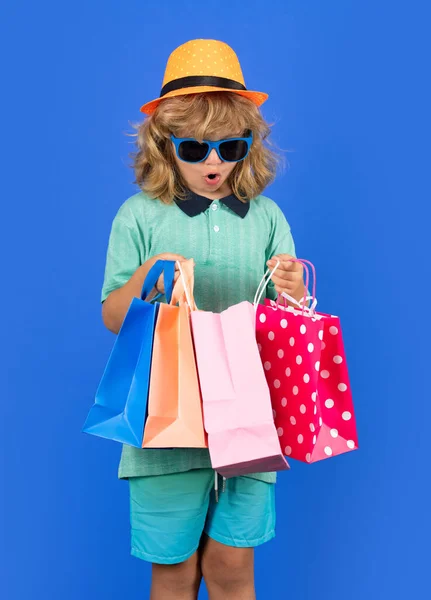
262,285
266,279
301,304
268,276
167,267
186,282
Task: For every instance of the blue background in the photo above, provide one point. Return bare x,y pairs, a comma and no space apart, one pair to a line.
349,98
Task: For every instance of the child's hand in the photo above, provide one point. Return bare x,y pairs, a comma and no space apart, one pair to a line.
160,286
289,277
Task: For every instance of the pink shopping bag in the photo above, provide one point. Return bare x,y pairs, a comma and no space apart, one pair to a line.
238,417
303,355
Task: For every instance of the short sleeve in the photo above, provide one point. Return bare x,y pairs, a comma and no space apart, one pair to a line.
123,256
281,242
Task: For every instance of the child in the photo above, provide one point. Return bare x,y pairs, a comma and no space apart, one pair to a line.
202,166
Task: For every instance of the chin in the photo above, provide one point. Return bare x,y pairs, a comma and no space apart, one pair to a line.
221,185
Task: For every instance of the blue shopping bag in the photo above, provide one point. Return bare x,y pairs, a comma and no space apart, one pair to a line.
120,407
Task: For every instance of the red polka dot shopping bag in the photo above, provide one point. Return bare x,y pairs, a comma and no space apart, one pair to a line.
303,355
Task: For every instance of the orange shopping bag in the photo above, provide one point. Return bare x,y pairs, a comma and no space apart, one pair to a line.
175,405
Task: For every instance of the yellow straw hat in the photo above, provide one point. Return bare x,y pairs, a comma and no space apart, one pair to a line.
203,66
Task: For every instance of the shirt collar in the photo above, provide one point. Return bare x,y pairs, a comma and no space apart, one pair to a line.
195,204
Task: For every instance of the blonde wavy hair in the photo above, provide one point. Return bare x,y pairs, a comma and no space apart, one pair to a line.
212,115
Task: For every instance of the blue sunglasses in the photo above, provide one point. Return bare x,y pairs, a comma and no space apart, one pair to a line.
229,150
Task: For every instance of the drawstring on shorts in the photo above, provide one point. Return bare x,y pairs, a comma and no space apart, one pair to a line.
216,476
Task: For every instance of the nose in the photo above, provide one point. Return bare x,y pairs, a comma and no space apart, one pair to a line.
213,158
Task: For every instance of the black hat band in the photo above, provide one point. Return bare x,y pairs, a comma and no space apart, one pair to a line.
199,81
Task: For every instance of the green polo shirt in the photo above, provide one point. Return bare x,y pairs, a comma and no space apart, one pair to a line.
230,251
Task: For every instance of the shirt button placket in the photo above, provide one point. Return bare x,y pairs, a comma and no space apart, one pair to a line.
215,207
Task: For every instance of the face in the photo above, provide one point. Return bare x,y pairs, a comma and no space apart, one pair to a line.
208,178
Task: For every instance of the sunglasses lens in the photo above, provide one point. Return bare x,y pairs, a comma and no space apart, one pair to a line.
233,151
192,151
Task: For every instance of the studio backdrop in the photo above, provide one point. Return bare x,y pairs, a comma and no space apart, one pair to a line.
349,108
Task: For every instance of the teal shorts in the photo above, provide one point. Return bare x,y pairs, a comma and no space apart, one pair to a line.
170,513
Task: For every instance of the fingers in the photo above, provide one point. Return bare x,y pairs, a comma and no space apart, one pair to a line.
284,258
289,275
286,273
286,268
284,265
175,257
160,287
285,278
171,256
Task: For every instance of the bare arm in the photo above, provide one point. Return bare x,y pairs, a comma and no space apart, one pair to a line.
116,305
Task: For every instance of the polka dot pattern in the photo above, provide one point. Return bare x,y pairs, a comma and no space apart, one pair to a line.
210,57
313,402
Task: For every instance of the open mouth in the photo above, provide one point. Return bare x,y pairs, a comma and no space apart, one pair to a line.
213,178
